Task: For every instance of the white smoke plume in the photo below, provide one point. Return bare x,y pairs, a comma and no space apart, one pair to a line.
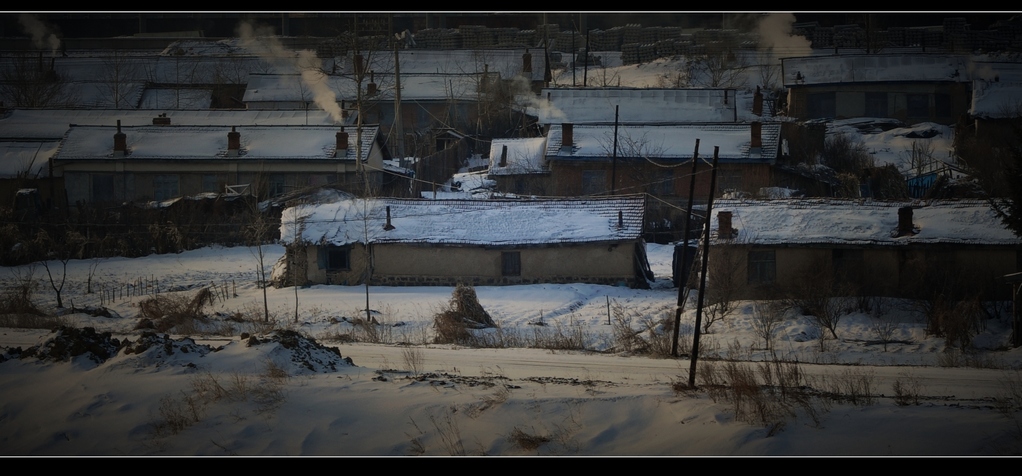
262,41
776,38
42,37
526,99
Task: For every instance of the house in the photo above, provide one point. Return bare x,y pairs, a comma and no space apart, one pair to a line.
910,88
406,242
898,249
637,105
652,158
160,162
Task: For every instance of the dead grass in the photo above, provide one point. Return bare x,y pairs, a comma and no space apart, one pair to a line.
526,441
176,312
463,312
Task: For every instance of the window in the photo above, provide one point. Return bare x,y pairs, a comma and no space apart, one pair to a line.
663,183
511,263
594,182
102,187
918,105
847,266
876,104
165,187
336,258
277,185
762,267
210,183
942,105
822,105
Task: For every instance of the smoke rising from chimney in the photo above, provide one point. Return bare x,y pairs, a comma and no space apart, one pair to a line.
262,41
524,96
776,38
42,37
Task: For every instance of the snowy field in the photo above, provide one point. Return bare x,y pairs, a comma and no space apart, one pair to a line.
273,396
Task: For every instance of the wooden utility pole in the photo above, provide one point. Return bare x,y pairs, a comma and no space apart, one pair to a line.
702,276
685,265
613,163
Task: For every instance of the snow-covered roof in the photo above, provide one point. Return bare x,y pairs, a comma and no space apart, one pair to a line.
874,68
25,158
849,222
414,87
524,156
466,222
207,142
54,123
996,100
589,105
178,98
665,141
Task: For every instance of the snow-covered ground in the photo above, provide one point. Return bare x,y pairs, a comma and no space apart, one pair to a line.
273,398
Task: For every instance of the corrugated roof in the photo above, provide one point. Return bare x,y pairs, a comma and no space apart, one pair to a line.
854,222
665,141
207,142
467,222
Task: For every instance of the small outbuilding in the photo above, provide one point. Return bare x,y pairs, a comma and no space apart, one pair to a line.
407,242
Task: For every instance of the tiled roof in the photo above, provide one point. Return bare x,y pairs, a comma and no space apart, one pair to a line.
467,222
207,142
854,222
665,141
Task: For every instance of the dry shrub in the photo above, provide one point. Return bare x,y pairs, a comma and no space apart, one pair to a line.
18,298
906,390
462,313
414,359
177,312
654,336
525,441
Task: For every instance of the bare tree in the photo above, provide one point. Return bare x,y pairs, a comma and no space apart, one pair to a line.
258,228
722,67
766,318
27,82
120,78
61,249
722,284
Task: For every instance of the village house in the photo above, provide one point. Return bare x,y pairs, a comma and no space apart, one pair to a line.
896,249
911,88
163,161
405,242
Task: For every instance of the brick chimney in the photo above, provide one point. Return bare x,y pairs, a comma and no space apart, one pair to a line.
527,62
503,156
120,142
757,102
388,226
567,135
371,87
756,146
905,227
161,120
342,143
724,229
233,142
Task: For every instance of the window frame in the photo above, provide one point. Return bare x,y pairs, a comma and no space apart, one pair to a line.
510,263
762,267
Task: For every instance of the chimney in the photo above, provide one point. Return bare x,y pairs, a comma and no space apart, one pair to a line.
371,87
120,142
905,222
344,111
620,219
503,156
161,120
342,142
724,230
233,142
358,66
527,62
486,75
757,102
567,135
388,226
757,137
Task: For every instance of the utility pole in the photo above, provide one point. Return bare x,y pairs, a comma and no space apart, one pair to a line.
702,276
613,163
685,265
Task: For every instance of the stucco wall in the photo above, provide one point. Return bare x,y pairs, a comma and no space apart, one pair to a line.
401,264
